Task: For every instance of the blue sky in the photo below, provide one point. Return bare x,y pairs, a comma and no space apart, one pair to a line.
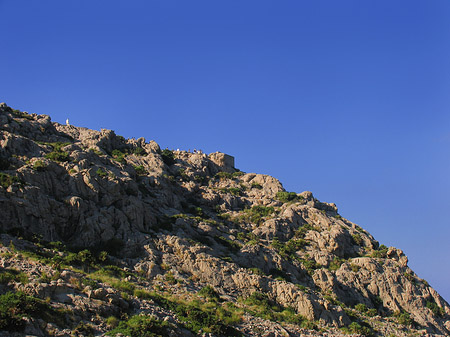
348,99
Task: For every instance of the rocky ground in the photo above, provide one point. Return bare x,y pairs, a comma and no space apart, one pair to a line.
106,235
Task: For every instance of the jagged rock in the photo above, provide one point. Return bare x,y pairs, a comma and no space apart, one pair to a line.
177,224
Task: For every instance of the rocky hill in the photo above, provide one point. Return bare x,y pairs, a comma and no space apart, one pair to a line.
106,235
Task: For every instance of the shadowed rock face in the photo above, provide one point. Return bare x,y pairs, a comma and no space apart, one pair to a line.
197,217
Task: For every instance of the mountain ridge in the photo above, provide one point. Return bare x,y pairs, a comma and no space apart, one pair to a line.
178,223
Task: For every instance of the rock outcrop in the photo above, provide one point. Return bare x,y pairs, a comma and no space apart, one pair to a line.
104,228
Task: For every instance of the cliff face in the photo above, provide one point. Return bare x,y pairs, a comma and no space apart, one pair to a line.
103,229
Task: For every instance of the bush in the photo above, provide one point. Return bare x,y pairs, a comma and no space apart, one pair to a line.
139,151
372,312
301,231
288,197
310,265
381,252
223,175
230,244
357,239
168,157
39,165
335,264
437,311
209,292
15,306
118,156
101,173
361,307
356,328
57,154
403,318
256,214
141,326
7,180
209,318
13,275
256,185
140,170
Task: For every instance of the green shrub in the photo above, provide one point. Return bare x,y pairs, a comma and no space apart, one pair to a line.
288,197
232,190
301,231
139,151
118,156
140,170
20,114
112,322
372,312
57,154
230,244
256,214
13,275
288,248
361,307
168,157
237,174
403,318
15,306
355,268
310,265
96,151
256,185
209,317
124,286
209,292
141,326
381,252
39,165
142,294
170,278
357,328
7,180
335,264
101,173
84,329
223,175
437,310
357,239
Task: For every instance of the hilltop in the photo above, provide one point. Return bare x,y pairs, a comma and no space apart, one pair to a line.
105,235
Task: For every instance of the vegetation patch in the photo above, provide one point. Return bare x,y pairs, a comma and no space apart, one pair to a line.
437,310
39,165
256,185
140,170
7,180
141,326
57,154
381,252
14,307
168,157
285,197
256,214
118,156
258,304
210,316
289,248
13,275
139,151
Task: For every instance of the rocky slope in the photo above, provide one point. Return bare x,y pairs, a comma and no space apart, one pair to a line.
106,235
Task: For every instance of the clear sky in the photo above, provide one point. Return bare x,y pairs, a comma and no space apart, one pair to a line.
347,99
